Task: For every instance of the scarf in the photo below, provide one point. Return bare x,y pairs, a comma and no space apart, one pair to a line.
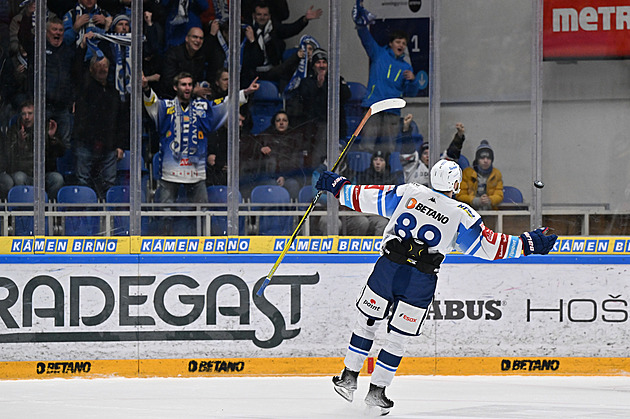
302,71
79,10
226,49
182,13
221,11
185,129
263,35
122,57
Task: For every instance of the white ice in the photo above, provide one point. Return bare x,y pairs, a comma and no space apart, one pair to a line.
313,397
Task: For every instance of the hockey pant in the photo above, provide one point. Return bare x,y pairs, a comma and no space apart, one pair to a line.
407,291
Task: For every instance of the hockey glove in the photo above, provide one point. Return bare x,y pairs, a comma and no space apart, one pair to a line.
331,182
535,242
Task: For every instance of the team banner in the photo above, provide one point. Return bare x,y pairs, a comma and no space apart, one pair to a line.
586,29
566,245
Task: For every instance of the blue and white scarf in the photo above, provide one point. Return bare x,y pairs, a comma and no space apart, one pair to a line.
182,13
90,27
185,132
122,56
226,49
302,71
221,11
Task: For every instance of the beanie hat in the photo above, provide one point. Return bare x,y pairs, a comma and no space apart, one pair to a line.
423,147
484,150
379,153
319,54
118,18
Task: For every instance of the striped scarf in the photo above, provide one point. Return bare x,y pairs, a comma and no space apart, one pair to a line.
90,27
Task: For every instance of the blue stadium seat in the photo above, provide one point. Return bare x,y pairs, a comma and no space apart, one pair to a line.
272,225
66,164
79,225
353,108
217,194
265,102
306,194
512,195
120,194
359,161
463,162
23,225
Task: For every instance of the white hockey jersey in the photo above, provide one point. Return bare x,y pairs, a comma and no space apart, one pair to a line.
443,223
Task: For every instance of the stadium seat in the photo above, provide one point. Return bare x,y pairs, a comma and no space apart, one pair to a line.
119,194
353,108
66,165
79,225
217,194
272,225
265,102
463,162
305,196
359,161
23,225
512,195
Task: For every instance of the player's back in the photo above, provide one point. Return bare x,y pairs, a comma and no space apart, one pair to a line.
430,216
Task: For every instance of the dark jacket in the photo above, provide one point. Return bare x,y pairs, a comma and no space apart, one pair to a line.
19,153
96,117
177,60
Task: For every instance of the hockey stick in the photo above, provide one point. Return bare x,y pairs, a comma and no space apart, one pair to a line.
394,103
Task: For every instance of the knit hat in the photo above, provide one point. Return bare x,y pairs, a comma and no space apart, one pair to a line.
379,153
118,18
484,150
423,147
319,54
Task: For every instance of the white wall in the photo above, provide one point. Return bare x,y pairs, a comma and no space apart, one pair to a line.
485,63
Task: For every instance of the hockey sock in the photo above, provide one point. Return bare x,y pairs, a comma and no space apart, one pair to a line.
389,358
360,343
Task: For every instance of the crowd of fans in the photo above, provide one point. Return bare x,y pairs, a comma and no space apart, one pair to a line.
186,42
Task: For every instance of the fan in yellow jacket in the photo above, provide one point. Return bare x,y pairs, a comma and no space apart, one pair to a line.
482,184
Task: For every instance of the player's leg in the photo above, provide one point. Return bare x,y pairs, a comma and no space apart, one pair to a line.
416,290
374,307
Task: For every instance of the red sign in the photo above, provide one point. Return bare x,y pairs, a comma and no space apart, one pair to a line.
586,29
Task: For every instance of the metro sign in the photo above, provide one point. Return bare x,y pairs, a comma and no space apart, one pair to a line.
586,29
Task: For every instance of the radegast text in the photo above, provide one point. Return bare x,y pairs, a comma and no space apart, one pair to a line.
140,308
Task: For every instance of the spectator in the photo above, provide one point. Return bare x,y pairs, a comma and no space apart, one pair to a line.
60,75
182,16
18,153
454,150
313,96
416,168
218,41
184,124
86,17
408,139
389,76
377,174
280,156
482,184
187,57
98,142
279,9
270,34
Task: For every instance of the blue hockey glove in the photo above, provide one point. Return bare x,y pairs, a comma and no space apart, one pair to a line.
535,242
331,182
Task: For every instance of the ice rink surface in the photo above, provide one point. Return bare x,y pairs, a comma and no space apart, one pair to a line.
243,397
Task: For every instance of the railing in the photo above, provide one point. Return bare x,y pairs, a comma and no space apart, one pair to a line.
591,219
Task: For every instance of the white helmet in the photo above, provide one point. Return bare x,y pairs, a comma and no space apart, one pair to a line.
446,176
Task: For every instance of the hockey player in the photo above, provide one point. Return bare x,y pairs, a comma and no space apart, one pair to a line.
424,225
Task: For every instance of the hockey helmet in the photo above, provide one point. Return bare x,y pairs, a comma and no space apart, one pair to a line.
446,176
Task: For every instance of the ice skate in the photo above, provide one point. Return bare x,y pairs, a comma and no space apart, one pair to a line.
346,383
376,398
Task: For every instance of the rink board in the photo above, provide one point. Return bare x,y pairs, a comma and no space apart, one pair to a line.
150,308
